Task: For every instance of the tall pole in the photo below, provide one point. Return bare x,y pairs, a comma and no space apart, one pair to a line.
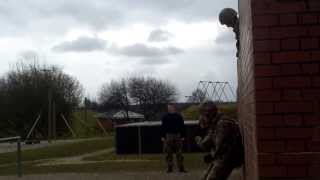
49,114
85,109
54,121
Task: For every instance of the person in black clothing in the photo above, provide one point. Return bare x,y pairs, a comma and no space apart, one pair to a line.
173,135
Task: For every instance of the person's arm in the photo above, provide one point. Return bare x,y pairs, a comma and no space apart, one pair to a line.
183,127
207,142
163,128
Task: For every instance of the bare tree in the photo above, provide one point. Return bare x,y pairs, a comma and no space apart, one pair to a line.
151,94
115,95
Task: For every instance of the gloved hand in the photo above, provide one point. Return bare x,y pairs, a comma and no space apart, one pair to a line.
198,139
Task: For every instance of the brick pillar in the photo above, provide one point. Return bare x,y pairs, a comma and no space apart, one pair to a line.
279,88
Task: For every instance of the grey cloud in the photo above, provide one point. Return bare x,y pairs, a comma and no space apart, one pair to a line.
59,16
154,61
82,44
142,50
159,35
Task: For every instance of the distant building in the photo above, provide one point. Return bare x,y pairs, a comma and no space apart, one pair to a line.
112,118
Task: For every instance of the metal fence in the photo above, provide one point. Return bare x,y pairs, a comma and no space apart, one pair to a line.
18,160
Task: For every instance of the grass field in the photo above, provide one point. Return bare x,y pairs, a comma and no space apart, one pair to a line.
115,163
85,127
59,151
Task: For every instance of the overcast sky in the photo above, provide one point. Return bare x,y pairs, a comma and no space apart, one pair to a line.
100,40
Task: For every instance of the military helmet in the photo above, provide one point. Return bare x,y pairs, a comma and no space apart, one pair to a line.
208,107
227,16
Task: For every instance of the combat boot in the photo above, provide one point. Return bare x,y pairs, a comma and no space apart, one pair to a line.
182,170
170,169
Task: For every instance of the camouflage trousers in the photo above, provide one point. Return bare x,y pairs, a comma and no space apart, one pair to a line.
218,170
173,145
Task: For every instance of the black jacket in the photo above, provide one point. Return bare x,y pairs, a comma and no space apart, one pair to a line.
173,123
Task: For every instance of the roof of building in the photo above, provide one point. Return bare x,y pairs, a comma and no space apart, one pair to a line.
153,123
120,115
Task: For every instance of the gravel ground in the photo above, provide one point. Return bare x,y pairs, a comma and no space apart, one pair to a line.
117,176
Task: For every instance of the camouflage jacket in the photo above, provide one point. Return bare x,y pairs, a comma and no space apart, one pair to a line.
224,140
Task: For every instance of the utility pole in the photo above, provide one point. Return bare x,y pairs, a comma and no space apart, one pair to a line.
85,109
54,121
49,114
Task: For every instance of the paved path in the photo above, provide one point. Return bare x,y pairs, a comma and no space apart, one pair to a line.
75,159
117,176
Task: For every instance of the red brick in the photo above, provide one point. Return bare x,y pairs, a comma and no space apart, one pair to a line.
314,31
309,19
264,108
314,5
315,56
265,20
316,81
288,32
291,94
293,107
295,146
290,69
292,120
297,171
270,121
314,171
314,146
310,43
273,7
311,120
262,58
288,19
272,171
266,158
310,68
268,95
291,82
294,133
291,57
266,45
290,44
261,33
311,94
267,70
266,133
263,83
295,158
271,146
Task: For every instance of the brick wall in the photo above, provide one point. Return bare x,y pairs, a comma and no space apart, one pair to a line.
286,64
246,90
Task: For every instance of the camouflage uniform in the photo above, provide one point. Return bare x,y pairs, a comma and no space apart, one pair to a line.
224,141
173,145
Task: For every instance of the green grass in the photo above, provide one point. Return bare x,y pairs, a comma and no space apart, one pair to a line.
155,163
85,127
59,151
192,113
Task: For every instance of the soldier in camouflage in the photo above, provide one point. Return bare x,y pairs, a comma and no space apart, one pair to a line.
223,140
